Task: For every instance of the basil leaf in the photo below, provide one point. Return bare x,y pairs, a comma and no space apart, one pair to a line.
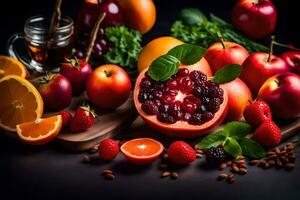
212,140
251,149
163,67
227,73
188,54
192,16
237,129
232,147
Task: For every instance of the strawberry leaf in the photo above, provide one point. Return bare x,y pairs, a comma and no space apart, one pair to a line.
232,147
212,140
227,73
251,149
237,129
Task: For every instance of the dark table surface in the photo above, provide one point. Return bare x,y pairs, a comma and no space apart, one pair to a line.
49,172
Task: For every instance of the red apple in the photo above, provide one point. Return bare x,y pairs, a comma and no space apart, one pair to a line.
77,72
282,93
108,86
224,53
258,67
256,18
292,58
56,91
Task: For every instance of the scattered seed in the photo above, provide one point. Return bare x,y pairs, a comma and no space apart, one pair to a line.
253,162
284,159
289,166
277,150
243,166
230,175
199,151
86,159
163,166
243,171
174,175
229,162
271,153
278,163
271,162
242,161
272,156
165,174
223,166
198,155
222,176
107,171
165,156
235,169
196,147
109,176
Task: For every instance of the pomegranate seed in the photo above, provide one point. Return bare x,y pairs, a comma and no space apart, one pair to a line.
189,107
164,108
186,85
150,108
145,83
182,72
196,119
164,117
186,116
172,84
197,75
207,116
157,94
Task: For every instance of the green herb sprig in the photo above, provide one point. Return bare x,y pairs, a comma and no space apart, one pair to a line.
233,138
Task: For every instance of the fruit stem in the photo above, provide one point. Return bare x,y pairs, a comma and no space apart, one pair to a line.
286,46
107,73
222,43
271,48
93,35
277,82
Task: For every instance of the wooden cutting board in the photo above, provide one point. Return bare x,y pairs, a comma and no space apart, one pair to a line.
107,124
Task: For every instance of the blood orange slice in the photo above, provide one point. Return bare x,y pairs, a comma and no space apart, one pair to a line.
142,151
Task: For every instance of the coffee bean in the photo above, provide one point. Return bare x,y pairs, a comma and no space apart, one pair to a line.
174,175
289,166
222,176
223,166
243,171
284,159
229,162
253,162
244,166
196,147
107,171
235,169
199,151
165,156
198,155
272,156
163,166
230,180
86,159
165,174
109,176
240,161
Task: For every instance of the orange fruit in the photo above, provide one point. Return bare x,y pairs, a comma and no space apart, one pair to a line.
19,102
40,131
139,14
154,49
142,151
11,66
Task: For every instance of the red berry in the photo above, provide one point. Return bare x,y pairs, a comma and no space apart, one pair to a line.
108,149
256,113
181,153
66,118
268,134
83,119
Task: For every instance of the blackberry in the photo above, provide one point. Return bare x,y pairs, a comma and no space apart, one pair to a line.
215,156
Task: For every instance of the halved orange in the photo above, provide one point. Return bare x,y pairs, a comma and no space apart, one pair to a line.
40,131
19,102
11,66
142,151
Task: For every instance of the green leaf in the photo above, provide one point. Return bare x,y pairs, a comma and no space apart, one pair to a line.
232,147
188,54
212,140
237,129
192,16
163,67
227,73
251,149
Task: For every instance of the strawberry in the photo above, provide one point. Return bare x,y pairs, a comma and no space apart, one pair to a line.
181,153
66,118
108,149
268,134
256,113
83,119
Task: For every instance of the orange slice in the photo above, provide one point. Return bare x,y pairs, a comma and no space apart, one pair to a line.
11,66
40,131
142,151
19,102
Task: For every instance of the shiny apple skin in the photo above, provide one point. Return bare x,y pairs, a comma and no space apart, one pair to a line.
218,57
77,75
282,93
108,86
256,18
292,58
257,69
57,93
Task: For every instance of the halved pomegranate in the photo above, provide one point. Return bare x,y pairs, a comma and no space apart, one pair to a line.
187,105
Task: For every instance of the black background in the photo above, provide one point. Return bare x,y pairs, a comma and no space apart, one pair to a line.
48,172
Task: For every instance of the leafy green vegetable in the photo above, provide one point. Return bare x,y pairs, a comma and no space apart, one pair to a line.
233,138
251,149
195,29
188,54
227,73
163,67
192,16
127,46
